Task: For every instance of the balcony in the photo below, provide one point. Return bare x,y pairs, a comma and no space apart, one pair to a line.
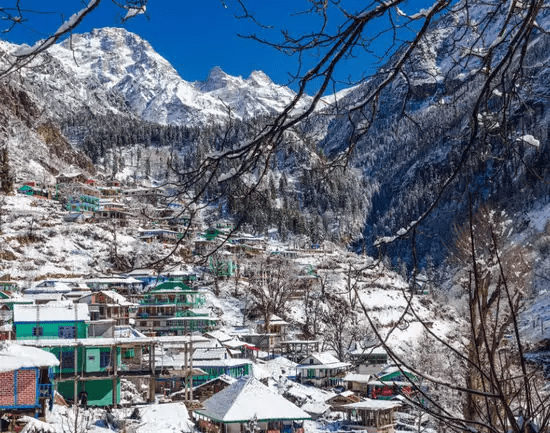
45,390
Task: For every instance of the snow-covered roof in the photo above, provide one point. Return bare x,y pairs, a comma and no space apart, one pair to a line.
323,360
51,312
249,399
370,404
117,298
210,353
111,280
394,369
167,340
356,377
169,417
219,335
229,362
14,356
125,331
276,367
48,286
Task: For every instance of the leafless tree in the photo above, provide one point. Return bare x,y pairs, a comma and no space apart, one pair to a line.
273,283
493,387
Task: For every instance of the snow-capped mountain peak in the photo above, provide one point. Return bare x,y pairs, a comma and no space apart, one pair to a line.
114,70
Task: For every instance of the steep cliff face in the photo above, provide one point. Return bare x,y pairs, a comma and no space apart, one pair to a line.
37,149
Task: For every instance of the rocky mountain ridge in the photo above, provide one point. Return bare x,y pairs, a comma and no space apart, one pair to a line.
113,70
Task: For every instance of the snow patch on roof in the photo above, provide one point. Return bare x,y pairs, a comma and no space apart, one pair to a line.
13,357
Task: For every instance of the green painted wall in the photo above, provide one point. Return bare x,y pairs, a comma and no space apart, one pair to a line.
89,359
100,392
50,330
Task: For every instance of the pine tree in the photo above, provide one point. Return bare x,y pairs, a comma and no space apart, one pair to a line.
6,174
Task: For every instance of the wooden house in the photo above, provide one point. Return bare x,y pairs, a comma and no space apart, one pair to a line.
374,416
25,379
321,369
249,403
53,320
108,304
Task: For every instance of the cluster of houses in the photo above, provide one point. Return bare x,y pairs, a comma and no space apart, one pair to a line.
86,336
78,339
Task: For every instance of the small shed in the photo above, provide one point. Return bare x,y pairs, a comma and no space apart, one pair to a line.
376,416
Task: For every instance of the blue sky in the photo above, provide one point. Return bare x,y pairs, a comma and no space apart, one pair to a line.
194,36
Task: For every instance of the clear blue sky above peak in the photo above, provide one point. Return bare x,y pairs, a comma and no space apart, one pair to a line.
195,36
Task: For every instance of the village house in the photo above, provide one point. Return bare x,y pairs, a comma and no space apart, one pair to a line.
296,350
94,366
232,367
393,381
277,327
25,379
374,416
173,308
108,304
46,291
7,301
9,286
160,235
321,369
249,404
236,347
53,320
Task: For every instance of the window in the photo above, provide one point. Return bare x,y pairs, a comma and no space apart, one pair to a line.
67,359
37,331
67,332
104,359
